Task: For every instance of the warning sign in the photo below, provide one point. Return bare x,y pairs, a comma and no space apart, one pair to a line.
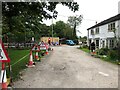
3,54
42,47
35,48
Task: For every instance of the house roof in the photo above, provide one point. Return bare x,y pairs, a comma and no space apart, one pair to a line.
112,19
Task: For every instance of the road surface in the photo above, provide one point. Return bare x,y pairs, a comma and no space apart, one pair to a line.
69,67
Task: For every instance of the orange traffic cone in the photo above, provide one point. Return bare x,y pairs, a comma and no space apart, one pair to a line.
3,78
46,52
36,56
94,53
31,63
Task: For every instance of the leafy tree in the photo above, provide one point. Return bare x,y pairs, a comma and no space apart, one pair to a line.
58,28
24,17
74,21
62,30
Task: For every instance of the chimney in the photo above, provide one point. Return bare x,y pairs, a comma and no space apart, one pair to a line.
96,22
119,7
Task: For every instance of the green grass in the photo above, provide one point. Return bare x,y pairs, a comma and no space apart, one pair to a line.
109,60
16,55
86,50
102,58
17,64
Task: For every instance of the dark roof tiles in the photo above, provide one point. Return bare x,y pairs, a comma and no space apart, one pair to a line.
112,19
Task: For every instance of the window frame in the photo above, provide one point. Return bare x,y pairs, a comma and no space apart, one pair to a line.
97,30
111,27
92,31
111,43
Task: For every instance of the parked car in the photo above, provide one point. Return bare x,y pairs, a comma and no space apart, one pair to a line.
70,42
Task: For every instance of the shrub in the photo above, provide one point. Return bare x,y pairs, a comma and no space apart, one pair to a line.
103,51
113,55
85,46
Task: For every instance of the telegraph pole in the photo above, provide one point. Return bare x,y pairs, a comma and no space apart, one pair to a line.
52,28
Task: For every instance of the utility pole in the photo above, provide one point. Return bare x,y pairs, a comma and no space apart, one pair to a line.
52,28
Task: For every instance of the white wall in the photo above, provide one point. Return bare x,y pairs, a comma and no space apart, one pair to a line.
119,7
119,20
104,34
119,28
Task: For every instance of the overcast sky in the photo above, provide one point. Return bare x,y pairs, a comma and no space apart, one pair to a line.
92,11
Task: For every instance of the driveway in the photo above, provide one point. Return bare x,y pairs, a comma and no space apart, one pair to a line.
69,67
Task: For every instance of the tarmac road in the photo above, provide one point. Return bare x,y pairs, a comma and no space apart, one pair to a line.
68,67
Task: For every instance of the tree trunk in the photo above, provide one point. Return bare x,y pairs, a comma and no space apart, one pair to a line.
74,32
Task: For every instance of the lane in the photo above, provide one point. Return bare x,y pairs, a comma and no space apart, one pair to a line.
68,67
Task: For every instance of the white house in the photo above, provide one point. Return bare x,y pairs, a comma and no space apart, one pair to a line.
105,32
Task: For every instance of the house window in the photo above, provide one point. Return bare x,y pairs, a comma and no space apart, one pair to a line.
89,41
92,32
111,27
97,43
111,42
97,30
106,43
103,44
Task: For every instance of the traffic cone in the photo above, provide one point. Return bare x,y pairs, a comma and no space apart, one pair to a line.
37,57
3,78
46,52
94,53
31,63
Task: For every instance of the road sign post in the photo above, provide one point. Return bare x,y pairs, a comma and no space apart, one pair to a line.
3,53
4,59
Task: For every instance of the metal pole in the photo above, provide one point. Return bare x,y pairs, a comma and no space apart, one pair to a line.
52,28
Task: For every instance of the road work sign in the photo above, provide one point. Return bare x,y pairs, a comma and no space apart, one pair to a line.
42,47
36,48
3,54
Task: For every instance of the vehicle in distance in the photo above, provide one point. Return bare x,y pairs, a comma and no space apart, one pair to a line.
70,42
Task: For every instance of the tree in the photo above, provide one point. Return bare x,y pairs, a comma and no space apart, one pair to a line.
62,30
74,21
16,14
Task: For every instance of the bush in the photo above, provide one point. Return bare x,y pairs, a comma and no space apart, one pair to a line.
103,51
85,46
113,55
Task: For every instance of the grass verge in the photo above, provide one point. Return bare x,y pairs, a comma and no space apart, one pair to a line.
19,58
85,50
100,56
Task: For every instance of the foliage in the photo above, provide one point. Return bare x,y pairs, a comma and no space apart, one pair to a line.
85,46
85,49
74,21
83,39
25,18
62,30
113,55
15,55
103,51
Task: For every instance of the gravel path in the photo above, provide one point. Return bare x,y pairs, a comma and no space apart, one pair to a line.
68,67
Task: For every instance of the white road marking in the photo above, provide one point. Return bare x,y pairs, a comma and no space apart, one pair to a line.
104,74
